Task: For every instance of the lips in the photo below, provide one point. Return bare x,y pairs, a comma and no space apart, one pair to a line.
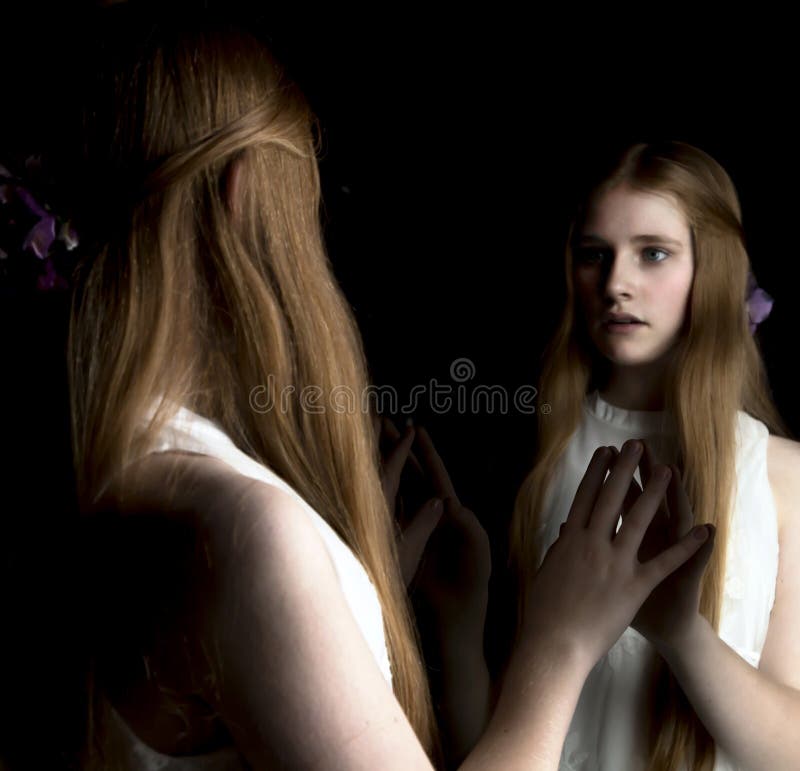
621,318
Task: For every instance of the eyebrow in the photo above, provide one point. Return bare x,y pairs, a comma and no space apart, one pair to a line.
635,240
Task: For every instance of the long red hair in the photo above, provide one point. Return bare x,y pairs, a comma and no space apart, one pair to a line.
717,370
178,300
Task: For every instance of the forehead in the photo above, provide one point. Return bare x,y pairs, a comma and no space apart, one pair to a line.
623,212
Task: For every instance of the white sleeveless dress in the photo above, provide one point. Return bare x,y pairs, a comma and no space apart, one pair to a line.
188,431
608,730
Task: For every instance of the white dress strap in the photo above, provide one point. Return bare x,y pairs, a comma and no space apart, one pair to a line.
190,432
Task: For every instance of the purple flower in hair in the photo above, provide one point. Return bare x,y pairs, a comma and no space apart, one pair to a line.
28,227
43,233
759,303
41,236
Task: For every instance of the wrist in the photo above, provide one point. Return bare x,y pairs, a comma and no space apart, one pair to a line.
680,644
456,646
456,622
541,672
562,656
564,647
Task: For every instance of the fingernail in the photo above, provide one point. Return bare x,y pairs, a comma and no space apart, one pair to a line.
409,422
664,474
701,533
632,448
437,505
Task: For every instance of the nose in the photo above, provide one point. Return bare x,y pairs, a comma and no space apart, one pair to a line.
619,278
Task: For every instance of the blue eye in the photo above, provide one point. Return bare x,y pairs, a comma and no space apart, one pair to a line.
652,249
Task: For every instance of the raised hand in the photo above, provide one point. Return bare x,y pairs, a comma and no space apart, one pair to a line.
456,565
446,563
415,528
669,610
592,583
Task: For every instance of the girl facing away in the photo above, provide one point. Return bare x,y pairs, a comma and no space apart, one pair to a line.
243,588
655,342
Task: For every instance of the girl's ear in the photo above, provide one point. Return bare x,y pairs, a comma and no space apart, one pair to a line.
232,187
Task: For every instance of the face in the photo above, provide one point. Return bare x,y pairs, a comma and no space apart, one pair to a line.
633,272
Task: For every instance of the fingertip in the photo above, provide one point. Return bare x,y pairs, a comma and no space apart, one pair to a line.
701,533
664,474
603,454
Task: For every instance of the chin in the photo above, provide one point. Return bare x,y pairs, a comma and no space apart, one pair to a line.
622,358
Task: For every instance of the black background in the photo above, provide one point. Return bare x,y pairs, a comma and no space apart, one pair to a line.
454,150
453,145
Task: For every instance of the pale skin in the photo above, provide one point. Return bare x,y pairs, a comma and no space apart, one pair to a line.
267,624
751,713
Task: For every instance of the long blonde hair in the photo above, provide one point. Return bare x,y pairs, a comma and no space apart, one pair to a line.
180,303
717,370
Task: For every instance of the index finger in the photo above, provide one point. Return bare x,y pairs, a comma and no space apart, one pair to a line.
605,515
391,432
589,488
646,466
680,508
396,459
442,484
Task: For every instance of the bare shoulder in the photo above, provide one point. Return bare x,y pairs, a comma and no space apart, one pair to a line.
266,622
247,523
178,480
229,516
188,526
780,657
202,583
783,470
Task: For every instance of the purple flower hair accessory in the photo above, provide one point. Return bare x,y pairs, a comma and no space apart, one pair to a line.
759,303
28,227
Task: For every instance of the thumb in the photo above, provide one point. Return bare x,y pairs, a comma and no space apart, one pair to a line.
416,535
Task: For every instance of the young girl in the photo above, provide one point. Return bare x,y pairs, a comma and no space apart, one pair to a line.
655,342
243,584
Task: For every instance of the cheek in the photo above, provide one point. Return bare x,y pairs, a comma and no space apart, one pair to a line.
673,297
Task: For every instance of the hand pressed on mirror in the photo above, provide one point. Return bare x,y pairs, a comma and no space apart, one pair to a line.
415,527
446,562
667,614
611,575
457,564
446,538
583,596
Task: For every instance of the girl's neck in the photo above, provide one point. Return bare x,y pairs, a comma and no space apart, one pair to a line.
635,388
